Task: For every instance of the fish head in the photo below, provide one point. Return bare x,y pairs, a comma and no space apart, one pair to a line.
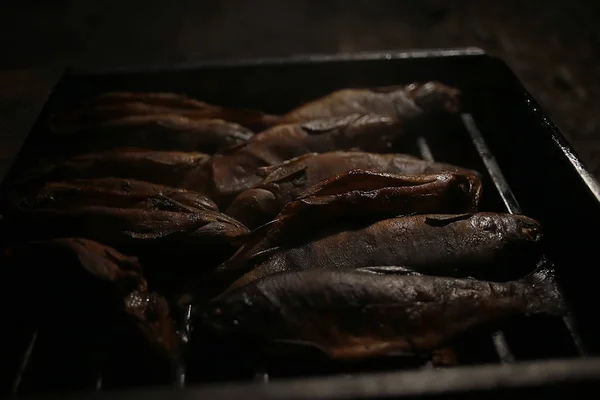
435,96
511,226
517,240
234,312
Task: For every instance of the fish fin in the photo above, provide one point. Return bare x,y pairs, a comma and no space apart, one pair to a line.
386,89
254,237
324,125
301,344
442,219
267,170
262,229
290,176
247,262
389,269
262,254
173,204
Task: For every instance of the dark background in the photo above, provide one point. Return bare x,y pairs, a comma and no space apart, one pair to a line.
552,45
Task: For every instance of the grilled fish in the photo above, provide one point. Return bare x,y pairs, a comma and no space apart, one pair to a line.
116,105
176,169
351,314
236,171
401,101
357,191
360,195
100,278
284,182
179,232
486,246
160,132
115,192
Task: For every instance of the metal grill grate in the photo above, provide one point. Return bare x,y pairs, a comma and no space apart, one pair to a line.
263,372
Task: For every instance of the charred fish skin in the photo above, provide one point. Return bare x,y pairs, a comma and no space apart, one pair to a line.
131,228
235,171
352,314
177,169
133,186
489,246
113,105
161,132
365,193
114,192
361,195
143,188
397,101
284,183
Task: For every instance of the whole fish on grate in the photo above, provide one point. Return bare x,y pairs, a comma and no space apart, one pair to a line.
170,168
117,105
352,314
490,246
115,192
158,132
283,183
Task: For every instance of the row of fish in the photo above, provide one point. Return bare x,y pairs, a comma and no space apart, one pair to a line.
301,228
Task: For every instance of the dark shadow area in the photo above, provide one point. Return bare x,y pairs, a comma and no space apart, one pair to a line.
552,45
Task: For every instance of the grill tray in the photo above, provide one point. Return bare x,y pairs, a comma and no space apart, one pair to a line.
527,168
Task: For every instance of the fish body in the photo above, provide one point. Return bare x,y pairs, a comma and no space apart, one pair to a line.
350,314
235,171
490,246
119,193
189,231
177,169
169,132
285,182
359,193
402,101
116,105
360,196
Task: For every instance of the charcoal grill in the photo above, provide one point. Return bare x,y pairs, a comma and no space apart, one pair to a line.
528,167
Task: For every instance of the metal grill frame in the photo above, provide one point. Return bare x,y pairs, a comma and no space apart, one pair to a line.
552,378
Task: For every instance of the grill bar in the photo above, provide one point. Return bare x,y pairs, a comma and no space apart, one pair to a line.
513,207
179,368
424,149
490,163
25,362
498,338
178,380
98,355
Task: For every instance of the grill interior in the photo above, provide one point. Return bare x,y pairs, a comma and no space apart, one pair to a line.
64,346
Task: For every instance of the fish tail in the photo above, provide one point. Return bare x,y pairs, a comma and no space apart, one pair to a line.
547,297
